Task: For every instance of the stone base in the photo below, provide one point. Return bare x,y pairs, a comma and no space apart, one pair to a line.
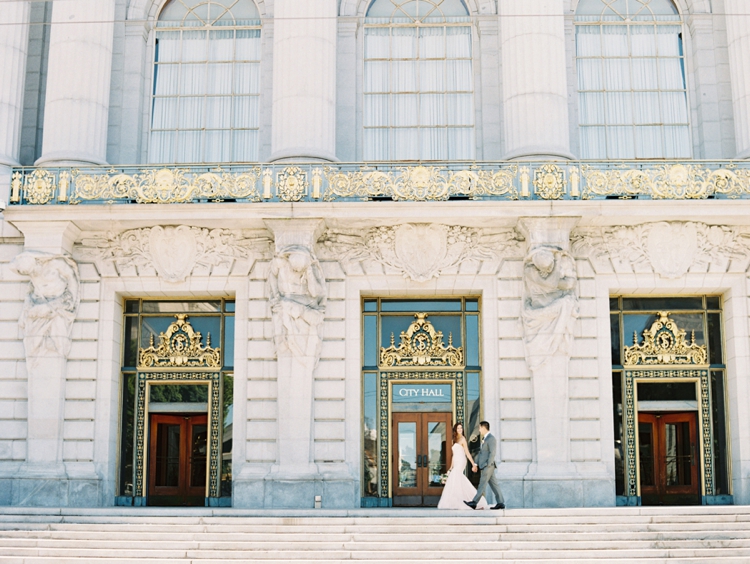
552,493
274,493
52,492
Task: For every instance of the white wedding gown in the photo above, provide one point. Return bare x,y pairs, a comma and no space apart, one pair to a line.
458,488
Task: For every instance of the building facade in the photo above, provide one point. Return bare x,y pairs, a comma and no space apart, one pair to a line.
265,254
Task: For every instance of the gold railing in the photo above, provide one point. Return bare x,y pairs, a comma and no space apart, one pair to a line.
559,180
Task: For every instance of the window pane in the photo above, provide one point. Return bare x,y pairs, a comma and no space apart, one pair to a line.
422,305
370,436
178,393
371,340
615,338
130,356
721,465
662,304
180,307
228,344
226,436
218,112
666,391
132,306
472,340
127,436
715,353
617,420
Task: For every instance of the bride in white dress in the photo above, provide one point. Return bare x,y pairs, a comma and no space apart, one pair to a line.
458,488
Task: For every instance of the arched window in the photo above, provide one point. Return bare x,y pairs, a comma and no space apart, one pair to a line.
418,83
206,82
632,95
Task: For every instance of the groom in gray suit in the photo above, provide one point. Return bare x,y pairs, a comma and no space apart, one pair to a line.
486,463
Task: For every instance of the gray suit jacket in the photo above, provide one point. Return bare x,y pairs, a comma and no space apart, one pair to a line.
486,456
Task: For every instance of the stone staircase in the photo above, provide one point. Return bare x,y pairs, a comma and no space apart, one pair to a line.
528,536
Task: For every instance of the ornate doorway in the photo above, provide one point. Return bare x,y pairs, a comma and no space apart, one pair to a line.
421,376
668,454
421,457
178,454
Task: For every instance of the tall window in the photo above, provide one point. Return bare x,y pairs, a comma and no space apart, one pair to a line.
206,82
418,84
632,94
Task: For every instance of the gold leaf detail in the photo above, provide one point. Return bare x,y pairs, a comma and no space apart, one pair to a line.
665,343
180,347
422,345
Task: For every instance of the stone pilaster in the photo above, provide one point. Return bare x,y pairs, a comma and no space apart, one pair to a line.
304,80
297,294
46,321
535,90
77,104
549,312
738,39
14,41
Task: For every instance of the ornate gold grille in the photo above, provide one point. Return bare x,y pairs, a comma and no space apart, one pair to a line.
180,347
422,345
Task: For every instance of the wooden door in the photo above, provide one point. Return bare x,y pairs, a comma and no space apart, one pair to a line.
421,457
177,459
669,456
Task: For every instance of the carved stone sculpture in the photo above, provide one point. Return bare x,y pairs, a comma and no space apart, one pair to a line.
174,251
297,294
420,251
51,304
669,248
550,304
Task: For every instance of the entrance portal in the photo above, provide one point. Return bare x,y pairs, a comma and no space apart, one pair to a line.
668,455
177,454
421,457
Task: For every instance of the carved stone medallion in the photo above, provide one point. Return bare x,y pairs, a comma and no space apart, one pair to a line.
173,251
420,248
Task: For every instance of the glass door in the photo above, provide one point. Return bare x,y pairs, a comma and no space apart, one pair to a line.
668,455
177,460
421,457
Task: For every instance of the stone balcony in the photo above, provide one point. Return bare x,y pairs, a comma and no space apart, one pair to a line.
408,182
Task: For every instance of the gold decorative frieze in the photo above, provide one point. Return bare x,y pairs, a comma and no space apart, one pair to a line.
417,183
180,347
665,344
420,183
666,182
549,182
166,186
421,345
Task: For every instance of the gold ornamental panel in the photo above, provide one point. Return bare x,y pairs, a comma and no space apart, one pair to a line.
421,346
665,343
415,183
180,346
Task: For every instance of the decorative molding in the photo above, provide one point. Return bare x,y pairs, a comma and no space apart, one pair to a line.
174,251
421,346
420,251
51,304
180,346
665,343
670,249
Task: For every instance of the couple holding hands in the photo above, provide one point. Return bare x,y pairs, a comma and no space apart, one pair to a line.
458,492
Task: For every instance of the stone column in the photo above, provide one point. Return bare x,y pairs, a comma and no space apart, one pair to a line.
304,80
549,312
297,294
78,82
535,88
46,321
14,43
738,39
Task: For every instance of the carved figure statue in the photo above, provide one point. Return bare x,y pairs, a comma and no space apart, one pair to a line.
51,304
298,298
550,304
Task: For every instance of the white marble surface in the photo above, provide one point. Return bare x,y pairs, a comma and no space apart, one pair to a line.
14,19
78,82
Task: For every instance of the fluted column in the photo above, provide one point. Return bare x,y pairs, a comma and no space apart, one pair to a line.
78,82
14,43
304,80
738,38
535,91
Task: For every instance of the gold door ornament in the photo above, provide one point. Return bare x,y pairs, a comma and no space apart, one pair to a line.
665,343
666,356
422,345
180,347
